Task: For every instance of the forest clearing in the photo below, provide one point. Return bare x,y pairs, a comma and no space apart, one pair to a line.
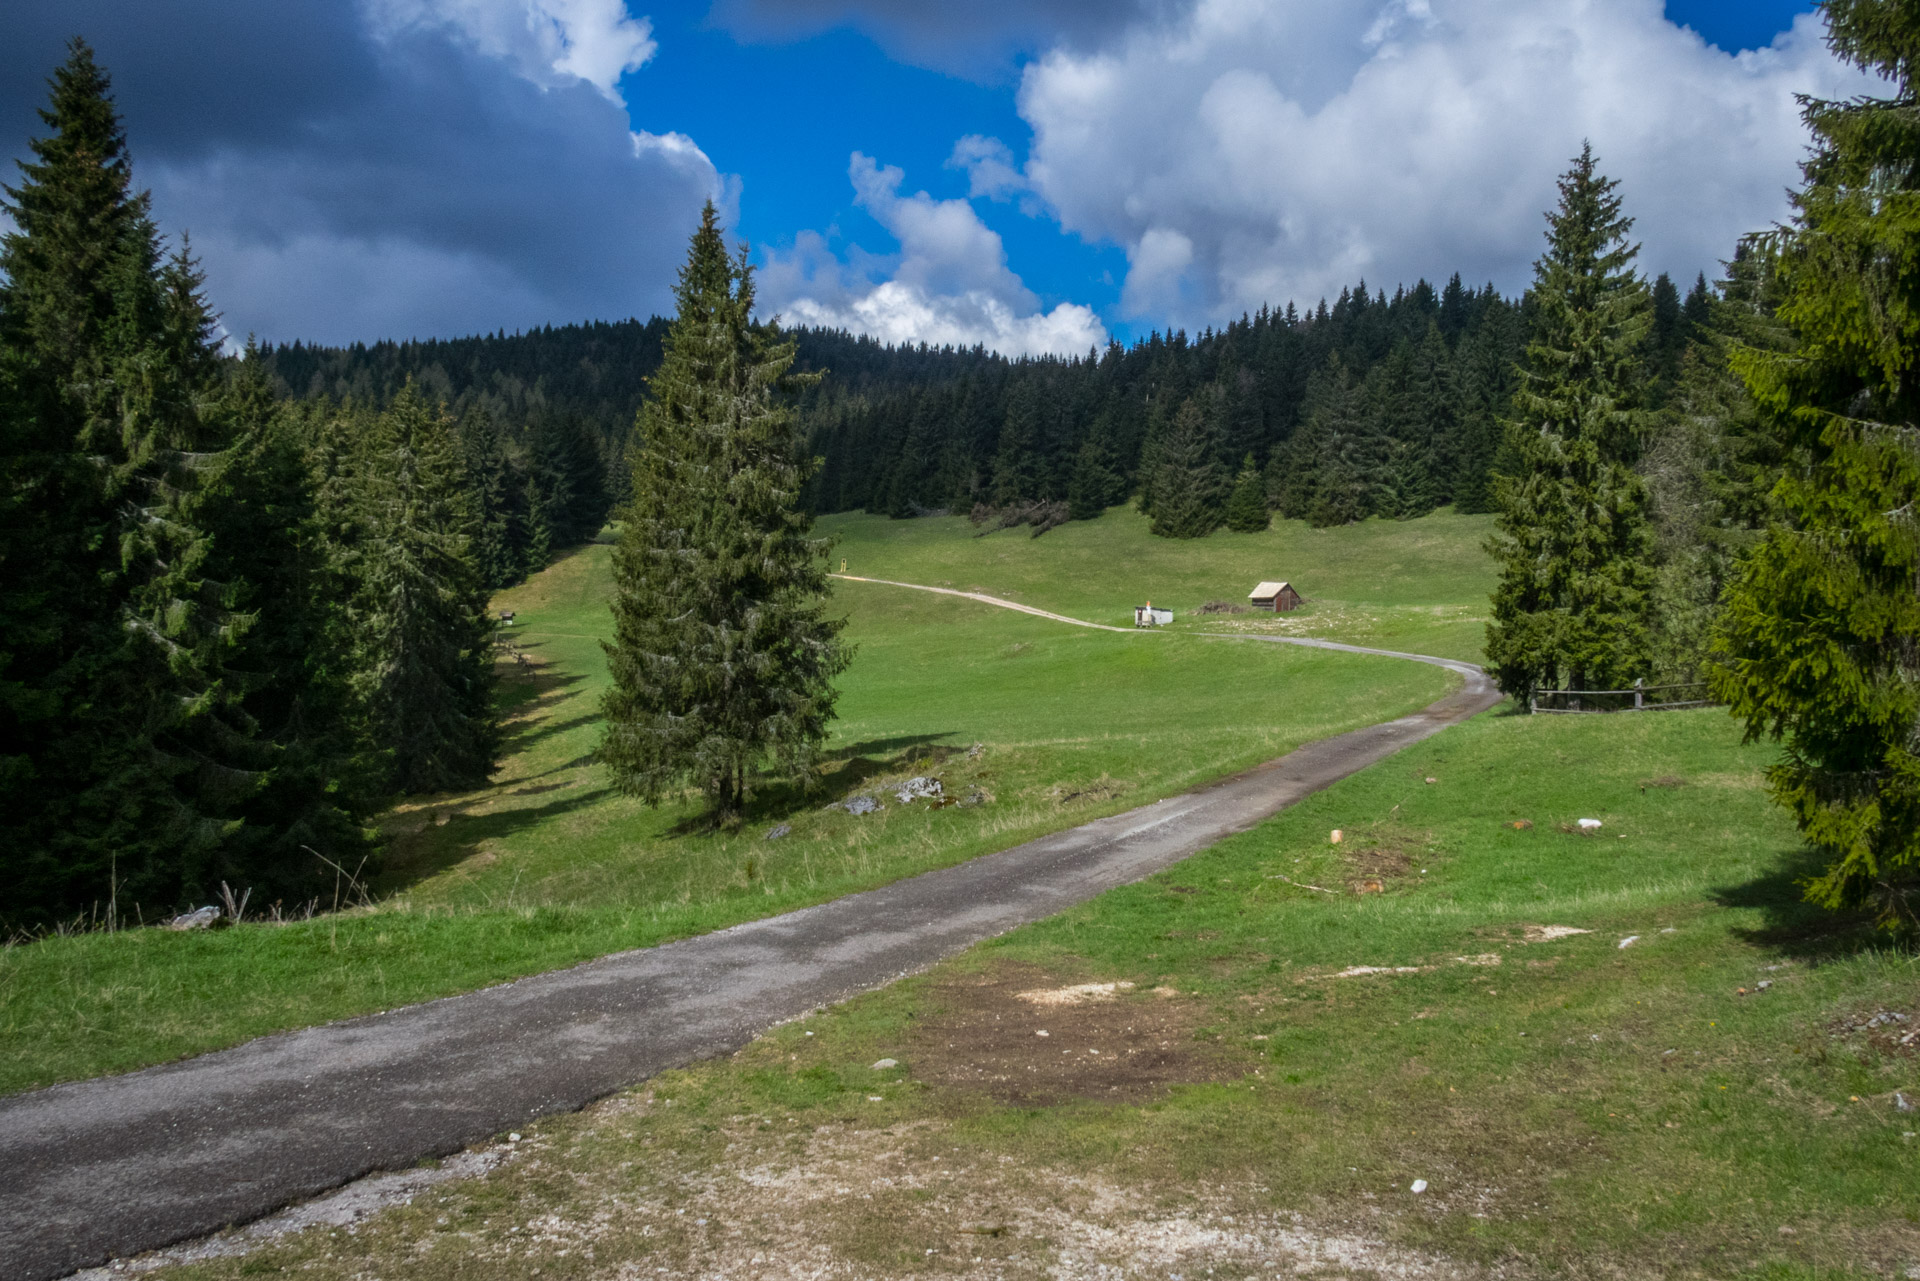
1288,778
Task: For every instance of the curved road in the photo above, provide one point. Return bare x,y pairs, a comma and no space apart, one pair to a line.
111,1167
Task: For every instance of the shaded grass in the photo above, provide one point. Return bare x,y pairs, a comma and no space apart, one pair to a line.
548,867
1578,1108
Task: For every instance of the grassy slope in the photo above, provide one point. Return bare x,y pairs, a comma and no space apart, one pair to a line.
547,867
1579,1108
1418,585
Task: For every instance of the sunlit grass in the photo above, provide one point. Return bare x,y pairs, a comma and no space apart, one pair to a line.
1419,585
1576,1107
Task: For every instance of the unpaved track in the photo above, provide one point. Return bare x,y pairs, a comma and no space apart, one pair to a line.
114,1166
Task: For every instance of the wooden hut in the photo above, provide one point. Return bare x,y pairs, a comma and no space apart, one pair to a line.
1276,598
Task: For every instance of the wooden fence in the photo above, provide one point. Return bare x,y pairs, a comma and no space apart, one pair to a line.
1641,698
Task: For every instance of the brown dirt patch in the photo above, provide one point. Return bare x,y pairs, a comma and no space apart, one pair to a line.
1376,860
1021,1035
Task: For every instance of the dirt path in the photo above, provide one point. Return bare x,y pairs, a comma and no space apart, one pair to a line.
111,1167
985,599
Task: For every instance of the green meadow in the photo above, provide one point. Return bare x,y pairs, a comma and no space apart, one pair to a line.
1041,724
1417,585
1627,1051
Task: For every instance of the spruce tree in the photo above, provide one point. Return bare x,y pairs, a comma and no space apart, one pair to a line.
1431,454
1096,483
1571,607
1821,636
1247,509
423,642
1485,373
1017,462
723,657
1190,486
126,760
260,508
499,544
1336,468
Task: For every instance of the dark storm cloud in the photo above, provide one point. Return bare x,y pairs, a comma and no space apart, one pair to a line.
979,39
342,186
192,75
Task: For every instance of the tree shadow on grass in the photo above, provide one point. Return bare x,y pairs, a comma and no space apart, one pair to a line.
847,770
421,853
525,737
527,697
1790,926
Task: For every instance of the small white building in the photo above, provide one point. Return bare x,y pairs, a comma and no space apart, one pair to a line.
1147,616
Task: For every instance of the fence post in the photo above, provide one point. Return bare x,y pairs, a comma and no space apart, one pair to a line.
1639,693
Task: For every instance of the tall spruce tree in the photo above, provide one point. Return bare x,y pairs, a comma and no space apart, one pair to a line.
124,761
261,512
423,663
1821,633
723,656
1190,487
1571,607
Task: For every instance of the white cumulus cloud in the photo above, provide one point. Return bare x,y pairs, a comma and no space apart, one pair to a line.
1252,151
552,42
949,284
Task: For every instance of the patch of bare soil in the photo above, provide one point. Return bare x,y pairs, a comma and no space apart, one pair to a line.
617,1197
1379,858
850,1202
1022,1036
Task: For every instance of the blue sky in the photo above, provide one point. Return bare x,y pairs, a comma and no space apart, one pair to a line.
392,168
798,179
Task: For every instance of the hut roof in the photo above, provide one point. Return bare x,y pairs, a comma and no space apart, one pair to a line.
1266,591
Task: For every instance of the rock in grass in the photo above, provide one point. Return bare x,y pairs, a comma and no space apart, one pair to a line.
918,789
1589,824
883,1064
199,919
861,805
775,833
